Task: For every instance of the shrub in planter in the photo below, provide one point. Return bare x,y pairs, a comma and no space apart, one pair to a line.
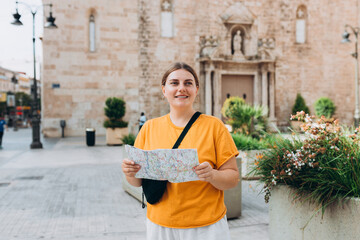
129,139
300,105
116,128
323,168
115,109
245,118
324,107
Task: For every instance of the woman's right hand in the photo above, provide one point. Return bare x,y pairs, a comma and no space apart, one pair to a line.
129,167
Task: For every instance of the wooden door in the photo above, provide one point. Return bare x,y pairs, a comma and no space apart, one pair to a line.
238,85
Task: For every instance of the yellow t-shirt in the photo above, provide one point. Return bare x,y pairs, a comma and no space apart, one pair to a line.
197,203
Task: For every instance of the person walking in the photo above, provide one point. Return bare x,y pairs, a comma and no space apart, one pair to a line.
142,120
196,209
2,126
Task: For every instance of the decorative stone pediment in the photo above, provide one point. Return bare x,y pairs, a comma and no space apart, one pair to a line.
238,13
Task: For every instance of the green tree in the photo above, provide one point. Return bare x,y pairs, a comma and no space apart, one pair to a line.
300,105
324,107
115,109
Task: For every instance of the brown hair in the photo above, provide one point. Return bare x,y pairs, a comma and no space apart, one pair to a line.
177,66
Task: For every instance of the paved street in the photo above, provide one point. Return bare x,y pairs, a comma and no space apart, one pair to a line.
70,191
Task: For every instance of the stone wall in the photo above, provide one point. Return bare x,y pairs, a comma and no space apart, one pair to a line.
131,56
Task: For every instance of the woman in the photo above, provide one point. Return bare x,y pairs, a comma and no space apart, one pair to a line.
189,210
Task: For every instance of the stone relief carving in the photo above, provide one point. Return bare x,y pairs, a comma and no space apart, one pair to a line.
208,45
266,43
166,6
300,14
285,12
265,48
285,15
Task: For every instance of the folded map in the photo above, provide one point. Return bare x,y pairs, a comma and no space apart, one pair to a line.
174,165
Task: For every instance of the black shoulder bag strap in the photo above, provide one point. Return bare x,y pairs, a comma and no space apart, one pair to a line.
154,189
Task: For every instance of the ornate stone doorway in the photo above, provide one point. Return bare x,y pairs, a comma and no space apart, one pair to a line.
238,63
239,86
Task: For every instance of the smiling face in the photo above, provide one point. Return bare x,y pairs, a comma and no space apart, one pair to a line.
180,89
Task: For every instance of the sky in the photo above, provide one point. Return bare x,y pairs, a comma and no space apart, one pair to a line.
16,48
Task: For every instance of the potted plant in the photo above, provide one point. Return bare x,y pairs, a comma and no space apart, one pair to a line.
324,107
314,182
248,124
299,106
116,128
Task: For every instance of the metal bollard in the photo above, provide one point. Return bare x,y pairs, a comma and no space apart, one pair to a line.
62,125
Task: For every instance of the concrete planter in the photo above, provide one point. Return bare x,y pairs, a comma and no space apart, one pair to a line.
114,135
247,161
296,126
135,192
232,197
295,221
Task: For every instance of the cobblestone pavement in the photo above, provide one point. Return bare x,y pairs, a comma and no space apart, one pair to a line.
70,191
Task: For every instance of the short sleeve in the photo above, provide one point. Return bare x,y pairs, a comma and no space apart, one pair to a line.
225,148
140,138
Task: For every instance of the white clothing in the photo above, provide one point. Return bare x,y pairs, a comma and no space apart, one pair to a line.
216,231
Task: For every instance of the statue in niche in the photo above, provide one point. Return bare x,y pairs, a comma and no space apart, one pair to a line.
237,42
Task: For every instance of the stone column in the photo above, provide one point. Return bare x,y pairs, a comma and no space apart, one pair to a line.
264,84
272,96
272,118
256,89
208,91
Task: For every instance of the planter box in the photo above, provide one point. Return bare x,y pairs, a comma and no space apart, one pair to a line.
135,192
293,220
247,161
114,135
296,126
232,197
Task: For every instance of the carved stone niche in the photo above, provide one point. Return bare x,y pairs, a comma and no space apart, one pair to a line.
239,18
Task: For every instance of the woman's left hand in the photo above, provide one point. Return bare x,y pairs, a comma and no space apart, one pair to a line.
205,172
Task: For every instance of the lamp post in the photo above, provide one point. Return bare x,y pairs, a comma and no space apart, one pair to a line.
346,35
14,80
50,23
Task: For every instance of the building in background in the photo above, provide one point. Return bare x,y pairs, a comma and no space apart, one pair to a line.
13,83
263,51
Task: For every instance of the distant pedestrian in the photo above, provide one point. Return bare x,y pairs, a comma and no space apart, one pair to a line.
2,126
142,120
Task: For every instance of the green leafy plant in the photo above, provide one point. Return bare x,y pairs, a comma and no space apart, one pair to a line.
129,139
324,107
244,142
323,168
300,105
115,109
245,118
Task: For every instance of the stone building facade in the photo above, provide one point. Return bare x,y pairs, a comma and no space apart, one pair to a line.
265,51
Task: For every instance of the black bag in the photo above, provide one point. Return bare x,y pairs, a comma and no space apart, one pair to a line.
154,189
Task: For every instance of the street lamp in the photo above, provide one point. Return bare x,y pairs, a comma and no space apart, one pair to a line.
14,80
346,35
50,23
